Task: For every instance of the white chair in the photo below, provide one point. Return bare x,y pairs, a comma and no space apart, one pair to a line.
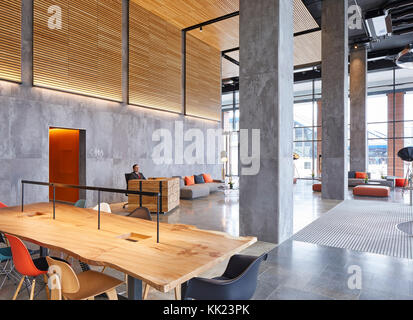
105,207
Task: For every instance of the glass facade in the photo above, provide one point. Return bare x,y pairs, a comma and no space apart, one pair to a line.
389,124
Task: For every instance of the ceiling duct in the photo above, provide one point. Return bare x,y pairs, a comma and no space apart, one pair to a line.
405,58
378,24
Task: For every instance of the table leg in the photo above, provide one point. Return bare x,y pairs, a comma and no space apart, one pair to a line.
44,252
134,288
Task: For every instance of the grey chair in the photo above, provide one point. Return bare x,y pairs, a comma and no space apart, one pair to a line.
238,282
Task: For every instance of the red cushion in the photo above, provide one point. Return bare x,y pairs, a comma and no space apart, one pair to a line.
208,178
401,183
189,181
361,175
2,205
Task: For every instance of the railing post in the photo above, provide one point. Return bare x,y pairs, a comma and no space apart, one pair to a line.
22,196
157,219
54,202
99,210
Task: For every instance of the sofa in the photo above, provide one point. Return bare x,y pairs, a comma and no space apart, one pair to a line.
354,182
198,190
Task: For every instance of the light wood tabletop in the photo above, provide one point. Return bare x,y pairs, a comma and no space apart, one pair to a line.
125,244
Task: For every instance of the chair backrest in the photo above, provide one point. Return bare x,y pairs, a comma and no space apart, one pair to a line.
141,213
2,205
81,203
68,278
239,282
21,257
128,176
105,207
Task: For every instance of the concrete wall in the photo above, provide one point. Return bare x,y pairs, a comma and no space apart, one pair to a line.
117,136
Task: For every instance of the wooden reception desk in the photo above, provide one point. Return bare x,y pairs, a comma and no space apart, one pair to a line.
170,194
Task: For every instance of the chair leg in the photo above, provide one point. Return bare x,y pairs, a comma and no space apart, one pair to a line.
18,288
103,270
146,291
178,293
32,291
46,282
112,295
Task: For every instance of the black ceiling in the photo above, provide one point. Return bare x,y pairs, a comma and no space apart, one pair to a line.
355,36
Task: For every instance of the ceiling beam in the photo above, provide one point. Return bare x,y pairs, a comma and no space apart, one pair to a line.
212,21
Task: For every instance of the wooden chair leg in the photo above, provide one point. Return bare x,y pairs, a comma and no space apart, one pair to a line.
32,291
46,282
146,291
112,295
18,288
178,293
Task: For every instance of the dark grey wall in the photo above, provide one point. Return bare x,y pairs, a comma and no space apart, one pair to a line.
117,136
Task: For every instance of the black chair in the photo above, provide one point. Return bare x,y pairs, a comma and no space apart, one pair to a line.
239,281
128,176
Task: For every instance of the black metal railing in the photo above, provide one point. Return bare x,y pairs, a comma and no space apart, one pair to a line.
99,190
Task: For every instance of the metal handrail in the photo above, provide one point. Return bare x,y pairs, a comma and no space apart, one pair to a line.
99,190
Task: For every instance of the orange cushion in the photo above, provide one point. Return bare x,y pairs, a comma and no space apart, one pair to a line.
317,187
361,175
401,183
208,178
372,191
189,181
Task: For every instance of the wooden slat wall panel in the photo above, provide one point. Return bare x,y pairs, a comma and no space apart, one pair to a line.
154,61
203,80
10,40
85,56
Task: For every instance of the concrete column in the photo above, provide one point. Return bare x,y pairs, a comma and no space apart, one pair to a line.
335,98
125,51
266,103
358,111
395,166
27,43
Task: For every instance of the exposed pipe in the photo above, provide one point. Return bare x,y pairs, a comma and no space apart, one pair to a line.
397,4
403,31
402,14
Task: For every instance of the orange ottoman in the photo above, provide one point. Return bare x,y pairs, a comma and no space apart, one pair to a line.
372,191
317,187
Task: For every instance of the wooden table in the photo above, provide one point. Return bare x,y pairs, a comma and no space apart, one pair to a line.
184,251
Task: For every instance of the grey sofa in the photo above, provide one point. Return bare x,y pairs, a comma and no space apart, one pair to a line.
198,190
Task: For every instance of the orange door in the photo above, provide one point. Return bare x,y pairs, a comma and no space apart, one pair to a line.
64,162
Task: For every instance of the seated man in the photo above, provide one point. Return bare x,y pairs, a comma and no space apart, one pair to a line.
136,174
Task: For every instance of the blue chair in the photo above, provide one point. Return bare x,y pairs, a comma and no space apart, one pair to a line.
6,257
239,281
81,204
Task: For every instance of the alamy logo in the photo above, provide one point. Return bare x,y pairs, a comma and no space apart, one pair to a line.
355,280
355,20
55,21
192,147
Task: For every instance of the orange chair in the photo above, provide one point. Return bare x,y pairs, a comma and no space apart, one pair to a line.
401,183
27,266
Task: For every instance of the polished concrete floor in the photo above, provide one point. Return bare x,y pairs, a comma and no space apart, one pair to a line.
295,270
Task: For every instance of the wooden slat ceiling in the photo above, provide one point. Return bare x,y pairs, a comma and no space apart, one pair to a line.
85,56
10,36
225,34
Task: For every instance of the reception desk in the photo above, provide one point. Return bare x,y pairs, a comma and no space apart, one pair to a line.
168,187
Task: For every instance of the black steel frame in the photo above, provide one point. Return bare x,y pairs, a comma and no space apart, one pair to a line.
99,190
